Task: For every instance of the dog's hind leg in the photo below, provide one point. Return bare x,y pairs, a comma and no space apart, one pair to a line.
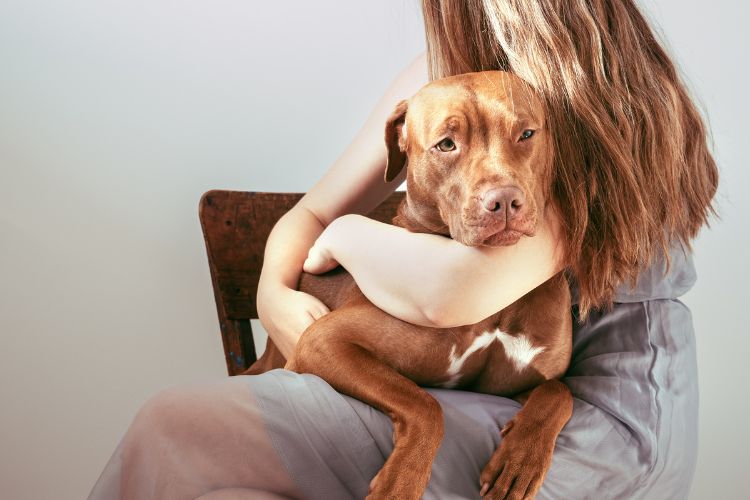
417,417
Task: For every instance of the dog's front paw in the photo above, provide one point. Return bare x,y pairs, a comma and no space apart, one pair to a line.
518,466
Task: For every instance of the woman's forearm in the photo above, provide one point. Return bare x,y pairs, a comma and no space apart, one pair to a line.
286,249
433,280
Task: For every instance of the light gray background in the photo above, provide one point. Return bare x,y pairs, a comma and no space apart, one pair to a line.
116,115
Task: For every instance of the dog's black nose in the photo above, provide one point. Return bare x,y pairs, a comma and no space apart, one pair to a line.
504,202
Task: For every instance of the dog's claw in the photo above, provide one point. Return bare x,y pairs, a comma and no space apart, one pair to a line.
483,491
505,430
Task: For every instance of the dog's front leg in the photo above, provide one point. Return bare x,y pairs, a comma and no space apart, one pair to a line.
329,348
518,466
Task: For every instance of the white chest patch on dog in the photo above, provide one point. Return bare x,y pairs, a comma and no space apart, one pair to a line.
519,350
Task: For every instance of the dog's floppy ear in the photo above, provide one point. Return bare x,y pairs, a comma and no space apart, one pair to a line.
394,141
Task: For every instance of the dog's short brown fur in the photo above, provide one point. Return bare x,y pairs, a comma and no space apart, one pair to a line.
479,171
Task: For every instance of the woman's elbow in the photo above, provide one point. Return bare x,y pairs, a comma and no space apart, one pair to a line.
450,314
436,317
450,303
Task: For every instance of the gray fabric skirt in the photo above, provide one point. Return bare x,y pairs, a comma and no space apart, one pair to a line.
633,433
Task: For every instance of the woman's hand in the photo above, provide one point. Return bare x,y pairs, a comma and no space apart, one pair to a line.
286,313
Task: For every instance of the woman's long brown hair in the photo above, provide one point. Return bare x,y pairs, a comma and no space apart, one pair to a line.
633,172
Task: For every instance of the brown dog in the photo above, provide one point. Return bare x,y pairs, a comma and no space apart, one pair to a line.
479,169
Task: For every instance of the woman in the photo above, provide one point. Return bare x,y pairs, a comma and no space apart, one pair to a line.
634,179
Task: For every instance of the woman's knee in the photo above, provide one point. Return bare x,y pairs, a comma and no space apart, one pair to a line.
172,414
191,439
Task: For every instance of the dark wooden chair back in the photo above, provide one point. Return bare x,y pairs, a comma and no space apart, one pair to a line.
236,225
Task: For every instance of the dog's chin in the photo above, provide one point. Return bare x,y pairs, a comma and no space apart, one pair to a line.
493,237
503,238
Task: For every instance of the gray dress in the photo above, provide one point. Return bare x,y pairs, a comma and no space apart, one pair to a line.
633,433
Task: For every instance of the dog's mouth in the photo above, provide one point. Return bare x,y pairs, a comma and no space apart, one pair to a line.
505,237
494,236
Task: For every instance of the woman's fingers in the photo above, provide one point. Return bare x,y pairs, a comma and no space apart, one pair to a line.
318,311
319,260
314,307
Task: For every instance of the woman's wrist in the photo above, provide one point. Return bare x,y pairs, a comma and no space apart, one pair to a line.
272,316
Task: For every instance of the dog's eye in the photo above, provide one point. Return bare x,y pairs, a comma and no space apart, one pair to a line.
526,134
446,145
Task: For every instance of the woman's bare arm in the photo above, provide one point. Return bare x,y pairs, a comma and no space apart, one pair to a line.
353,184
432,280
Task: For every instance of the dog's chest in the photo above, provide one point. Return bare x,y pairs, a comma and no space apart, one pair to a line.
467,359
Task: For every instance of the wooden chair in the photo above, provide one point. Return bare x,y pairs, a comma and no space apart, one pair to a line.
236,225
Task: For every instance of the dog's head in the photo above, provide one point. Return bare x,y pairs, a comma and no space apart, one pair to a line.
479,158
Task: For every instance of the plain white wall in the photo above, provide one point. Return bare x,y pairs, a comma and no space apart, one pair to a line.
115,116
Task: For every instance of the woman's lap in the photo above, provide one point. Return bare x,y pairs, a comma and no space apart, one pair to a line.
333,445
633,378
632,433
